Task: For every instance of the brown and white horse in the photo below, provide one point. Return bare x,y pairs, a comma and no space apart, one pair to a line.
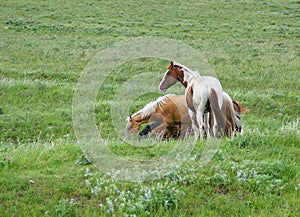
232,110
167,111
203,95
179,128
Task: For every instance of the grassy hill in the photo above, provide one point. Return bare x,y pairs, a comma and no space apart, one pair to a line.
254,49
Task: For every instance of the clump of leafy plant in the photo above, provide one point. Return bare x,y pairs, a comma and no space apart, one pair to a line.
141,198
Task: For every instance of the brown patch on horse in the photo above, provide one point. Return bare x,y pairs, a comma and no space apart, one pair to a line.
215,109
189,99
239,108
229,128
176,72
176,69
179,74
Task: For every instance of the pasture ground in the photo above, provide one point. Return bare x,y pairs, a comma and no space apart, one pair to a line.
254,47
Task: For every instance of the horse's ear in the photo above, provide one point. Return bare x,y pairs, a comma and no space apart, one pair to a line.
128,118
171,64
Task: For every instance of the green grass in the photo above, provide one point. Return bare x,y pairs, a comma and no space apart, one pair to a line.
254,48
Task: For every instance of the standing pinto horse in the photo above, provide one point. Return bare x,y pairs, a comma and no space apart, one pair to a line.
203,95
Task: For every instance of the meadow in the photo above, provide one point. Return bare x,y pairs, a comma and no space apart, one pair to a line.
254,48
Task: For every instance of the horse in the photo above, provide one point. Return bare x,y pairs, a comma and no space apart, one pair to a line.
231,109
167,112
203,95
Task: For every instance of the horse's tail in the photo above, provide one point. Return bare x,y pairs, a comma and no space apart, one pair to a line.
232,115
215,109
239,108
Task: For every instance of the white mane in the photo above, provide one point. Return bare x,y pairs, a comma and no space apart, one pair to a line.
152,106
183,66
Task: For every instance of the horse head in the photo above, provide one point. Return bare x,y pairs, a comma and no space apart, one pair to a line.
132,126
239,108
173,74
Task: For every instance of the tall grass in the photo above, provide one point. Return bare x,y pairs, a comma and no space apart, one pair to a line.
44,47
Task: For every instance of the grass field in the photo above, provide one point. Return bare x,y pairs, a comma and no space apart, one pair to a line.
254,48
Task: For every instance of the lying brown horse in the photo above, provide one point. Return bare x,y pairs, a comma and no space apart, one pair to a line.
170,117
169,110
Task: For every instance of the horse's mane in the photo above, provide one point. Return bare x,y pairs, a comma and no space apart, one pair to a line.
192,74
152,106
196,73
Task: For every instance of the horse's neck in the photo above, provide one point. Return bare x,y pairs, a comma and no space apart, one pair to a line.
138,118
190,77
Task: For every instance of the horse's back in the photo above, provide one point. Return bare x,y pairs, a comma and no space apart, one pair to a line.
176,109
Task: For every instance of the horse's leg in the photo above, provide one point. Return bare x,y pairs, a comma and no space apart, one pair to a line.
201,125
216,130
200,117
177,131
195,125
159,128
183,131
163,134
172,131
219,119
206,124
